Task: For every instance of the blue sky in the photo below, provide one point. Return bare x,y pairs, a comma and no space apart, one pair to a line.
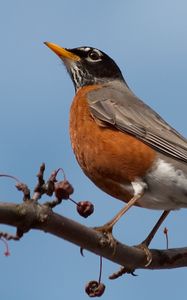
148,40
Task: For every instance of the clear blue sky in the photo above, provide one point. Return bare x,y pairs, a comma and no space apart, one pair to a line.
148,39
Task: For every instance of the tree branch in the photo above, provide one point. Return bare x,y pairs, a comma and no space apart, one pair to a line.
32,215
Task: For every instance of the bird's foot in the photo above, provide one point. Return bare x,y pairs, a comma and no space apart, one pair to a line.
143,246
107,236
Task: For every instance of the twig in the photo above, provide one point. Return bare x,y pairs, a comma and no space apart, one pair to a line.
24,189
39,190
9,236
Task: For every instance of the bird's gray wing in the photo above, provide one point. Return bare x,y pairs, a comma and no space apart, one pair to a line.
116,105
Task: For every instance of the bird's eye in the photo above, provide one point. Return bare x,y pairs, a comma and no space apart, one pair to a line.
93,55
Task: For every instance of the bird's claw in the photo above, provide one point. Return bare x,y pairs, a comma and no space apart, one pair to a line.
147,252
107,238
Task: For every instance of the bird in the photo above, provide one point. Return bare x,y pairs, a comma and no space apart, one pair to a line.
123,146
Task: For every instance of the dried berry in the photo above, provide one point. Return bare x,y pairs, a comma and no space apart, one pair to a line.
85,208
94,288
63,189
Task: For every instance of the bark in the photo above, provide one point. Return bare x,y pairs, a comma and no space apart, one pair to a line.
32,215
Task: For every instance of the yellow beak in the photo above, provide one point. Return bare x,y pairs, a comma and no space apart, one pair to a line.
62,52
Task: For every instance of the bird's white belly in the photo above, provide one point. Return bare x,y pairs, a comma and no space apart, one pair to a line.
166,187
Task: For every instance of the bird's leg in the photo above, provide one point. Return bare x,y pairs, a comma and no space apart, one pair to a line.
106,229
145,244
154,230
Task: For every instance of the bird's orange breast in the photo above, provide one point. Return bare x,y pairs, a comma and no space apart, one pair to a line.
109,157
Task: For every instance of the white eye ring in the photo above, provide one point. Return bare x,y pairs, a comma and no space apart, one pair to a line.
94,55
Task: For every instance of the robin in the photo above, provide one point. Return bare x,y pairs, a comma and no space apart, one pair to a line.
121,144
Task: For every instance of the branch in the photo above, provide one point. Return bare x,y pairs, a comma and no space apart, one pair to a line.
32,215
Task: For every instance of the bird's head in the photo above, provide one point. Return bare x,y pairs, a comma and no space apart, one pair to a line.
87,65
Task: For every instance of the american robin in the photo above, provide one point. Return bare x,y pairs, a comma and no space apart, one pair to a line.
121,144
